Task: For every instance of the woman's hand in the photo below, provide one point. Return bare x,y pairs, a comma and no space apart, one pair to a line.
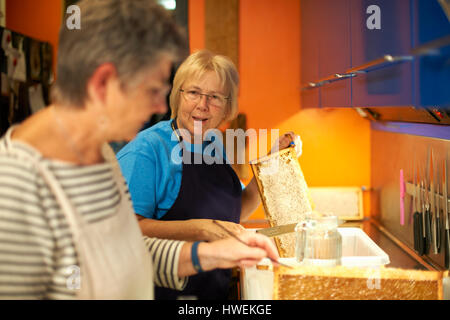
229,252
187,230
209,231
285,140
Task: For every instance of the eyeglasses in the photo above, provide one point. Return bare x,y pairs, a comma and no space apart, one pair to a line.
216,99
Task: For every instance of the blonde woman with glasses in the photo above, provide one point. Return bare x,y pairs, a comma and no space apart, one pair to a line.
178,181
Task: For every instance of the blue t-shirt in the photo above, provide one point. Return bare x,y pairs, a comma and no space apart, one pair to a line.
151,164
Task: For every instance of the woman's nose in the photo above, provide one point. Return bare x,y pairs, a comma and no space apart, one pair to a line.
203,102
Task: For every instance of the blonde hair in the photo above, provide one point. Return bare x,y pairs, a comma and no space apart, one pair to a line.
198,64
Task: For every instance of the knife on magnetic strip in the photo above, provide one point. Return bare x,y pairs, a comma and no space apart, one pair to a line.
438,223
433,214
447,223
417,216
427,214
278,230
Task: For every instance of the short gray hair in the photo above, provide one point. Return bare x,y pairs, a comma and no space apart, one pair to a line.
132,35
198,64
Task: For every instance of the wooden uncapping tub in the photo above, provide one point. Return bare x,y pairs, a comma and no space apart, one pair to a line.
352,283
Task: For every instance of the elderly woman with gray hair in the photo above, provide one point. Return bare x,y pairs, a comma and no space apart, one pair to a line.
67,226
181,199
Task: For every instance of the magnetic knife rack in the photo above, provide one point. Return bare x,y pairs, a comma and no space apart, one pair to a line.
410,189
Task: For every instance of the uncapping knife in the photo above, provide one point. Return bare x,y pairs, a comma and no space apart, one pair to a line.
278,230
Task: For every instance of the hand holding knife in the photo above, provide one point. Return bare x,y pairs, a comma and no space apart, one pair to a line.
278,230
243,242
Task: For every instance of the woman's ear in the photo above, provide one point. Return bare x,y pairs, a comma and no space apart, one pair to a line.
97,84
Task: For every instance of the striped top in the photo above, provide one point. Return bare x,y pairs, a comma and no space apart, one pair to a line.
37,253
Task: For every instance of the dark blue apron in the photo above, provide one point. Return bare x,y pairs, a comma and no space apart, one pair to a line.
208,191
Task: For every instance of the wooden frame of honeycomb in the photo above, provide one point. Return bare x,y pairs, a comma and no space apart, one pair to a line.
284,193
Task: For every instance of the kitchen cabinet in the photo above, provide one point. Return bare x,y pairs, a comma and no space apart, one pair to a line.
325,50
334,51
337,44
380,28
310,26
377,53
432,67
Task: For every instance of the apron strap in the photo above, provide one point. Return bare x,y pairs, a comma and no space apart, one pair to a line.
74,220
110,157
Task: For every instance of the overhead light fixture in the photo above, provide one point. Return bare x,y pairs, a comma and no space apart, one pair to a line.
168,4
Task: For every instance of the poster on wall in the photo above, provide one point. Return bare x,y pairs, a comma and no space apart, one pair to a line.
2,13
67,3
25,76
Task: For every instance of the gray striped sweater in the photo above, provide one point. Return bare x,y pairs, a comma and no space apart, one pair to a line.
36,245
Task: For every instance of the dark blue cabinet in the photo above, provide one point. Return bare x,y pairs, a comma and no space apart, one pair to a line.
389,34
334,51
432,67
310,26
369,53
325,43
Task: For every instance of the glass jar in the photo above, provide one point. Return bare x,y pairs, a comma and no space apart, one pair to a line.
318,241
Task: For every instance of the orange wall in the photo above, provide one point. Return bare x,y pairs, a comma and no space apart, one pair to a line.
269,61
336,143
336,149
196,21
38,19
269,57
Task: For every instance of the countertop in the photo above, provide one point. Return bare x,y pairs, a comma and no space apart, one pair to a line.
398,254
